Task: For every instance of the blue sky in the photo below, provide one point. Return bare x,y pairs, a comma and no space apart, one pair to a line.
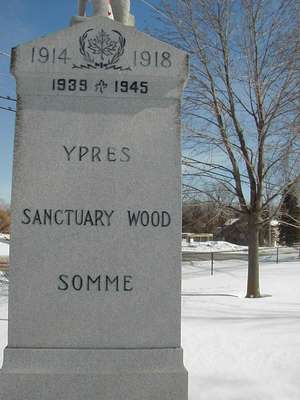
25,20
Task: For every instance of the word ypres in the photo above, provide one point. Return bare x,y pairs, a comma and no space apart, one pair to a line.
97,153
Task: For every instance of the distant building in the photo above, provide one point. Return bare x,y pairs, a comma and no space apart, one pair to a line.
235,230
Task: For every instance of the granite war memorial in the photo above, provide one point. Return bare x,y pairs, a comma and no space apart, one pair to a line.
96,211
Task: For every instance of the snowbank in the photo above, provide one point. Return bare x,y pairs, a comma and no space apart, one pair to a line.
200,247
212,247
4,249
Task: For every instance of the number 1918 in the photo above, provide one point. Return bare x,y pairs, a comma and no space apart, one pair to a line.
152,59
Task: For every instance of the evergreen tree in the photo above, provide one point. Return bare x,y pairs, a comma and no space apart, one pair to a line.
290,219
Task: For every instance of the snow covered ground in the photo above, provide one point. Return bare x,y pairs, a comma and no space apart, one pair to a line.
235,348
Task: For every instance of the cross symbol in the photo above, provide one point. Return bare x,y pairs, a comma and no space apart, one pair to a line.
100,86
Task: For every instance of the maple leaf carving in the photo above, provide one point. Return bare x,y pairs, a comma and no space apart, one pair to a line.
102,45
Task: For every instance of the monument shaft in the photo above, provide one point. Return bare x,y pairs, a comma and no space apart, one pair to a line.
94,306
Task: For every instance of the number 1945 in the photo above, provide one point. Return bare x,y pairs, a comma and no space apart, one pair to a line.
127,87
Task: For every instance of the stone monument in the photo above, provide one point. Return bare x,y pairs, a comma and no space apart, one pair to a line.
95,268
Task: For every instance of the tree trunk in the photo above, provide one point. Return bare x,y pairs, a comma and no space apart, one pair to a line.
253,259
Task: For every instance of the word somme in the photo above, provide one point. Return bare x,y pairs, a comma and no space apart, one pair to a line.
100,283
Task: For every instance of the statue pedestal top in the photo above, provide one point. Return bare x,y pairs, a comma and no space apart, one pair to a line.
77,19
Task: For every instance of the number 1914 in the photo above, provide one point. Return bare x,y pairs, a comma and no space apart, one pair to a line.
45,55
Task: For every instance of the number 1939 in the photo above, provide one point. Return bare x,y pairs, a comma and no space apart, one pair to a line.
70,85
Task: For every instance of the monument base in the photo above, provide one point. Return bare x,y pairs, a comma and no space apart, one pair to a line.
93,374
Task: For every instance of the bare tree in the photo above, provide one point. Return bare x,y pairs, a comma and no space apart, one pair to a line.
241,106
5,220
203,217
